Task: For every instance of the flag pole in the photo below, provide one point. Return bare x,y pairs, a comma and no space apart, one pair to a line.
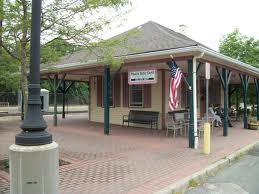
189,87
185,80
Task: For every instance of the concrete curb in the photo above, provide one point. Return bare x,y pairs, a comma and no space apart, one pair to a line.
200,176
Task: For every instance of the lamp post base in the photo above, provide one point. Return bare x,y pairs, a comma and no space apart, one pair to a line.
34,169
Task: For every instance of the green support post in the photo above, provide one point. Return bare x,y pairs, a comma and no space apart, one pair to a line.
63,99
237,99
106,90
65,88
245,82
55,86
191,102
229,95
226,108
232,90
225,76
257,98
55,118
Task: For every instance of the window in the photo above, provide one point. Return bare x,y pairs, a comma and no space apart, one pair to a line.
136,96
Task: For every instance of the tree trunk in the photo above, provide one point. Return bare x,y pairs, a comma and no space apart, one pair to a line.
1,24
24,83
24,40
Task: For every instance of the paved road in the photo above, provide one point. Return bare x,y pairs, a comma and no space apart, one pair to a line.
240,178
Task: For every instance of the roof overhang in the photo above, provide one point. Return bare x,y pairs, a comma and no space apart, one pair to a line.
209,55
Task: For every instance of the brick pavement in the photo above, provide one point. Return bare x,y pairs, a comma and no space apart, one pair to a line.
130,160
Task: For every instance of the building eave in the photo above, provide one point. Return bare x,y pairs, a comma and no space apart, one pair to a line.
209,55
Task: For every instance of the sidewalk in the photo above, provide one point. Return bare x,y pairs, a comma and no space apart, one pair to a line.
13,110
130,160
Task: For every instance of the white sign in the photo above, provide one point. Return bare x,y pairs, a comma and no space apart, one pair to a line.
143,77
207,70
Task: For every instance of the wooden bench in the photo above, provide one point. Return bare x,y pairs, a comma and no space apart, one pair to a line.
141,117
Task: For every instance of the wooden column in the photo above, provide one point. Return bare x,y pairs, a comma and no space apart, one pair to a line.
245,82
106,91
232,90
65,88
257,97
163,98
63,99
225,76
89,99
55,118
55,86
191,104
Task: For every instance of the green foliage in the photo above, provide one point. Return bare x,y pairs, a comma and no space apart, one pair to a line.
240,47
56,49
45,84
192,183
252,119
251,94
80,90
80,22
176,192
65,25
245,49
4,165
239,156
9,76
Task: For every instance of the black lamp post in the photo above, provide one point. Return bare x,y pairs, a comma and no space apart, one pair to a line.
34,126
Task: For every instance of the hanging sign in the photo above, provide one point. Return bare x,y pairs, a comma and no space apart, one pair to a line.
207,70
142,77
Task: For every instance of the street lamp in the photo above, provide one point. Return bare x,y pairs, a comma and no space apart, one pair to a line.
34,125
34,156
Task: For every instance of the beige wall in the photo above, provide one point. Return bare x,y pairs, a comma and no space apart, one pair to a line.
117,113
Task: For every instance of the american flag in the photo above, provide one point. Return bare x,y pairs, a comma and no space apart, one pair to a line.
176,76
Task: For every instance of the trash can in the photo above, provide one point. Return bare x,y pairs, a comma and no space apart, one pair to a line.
44,96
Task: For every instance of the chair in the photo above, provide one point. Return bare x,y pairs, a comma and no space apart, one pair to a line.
182,118
173,126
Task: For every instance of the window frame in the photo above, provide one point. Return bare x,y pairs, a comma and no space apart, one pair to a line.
130,98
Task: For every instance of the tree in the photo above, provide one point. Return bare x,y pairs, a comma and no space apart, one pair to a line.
242,48
9,76
56,49
8,65
78,21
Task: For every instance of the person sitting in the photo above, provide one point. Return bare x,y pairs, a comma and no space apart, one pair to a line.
216,117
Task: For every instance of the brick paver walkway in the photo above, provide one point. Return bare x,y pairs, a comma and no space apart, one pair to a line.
130,160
